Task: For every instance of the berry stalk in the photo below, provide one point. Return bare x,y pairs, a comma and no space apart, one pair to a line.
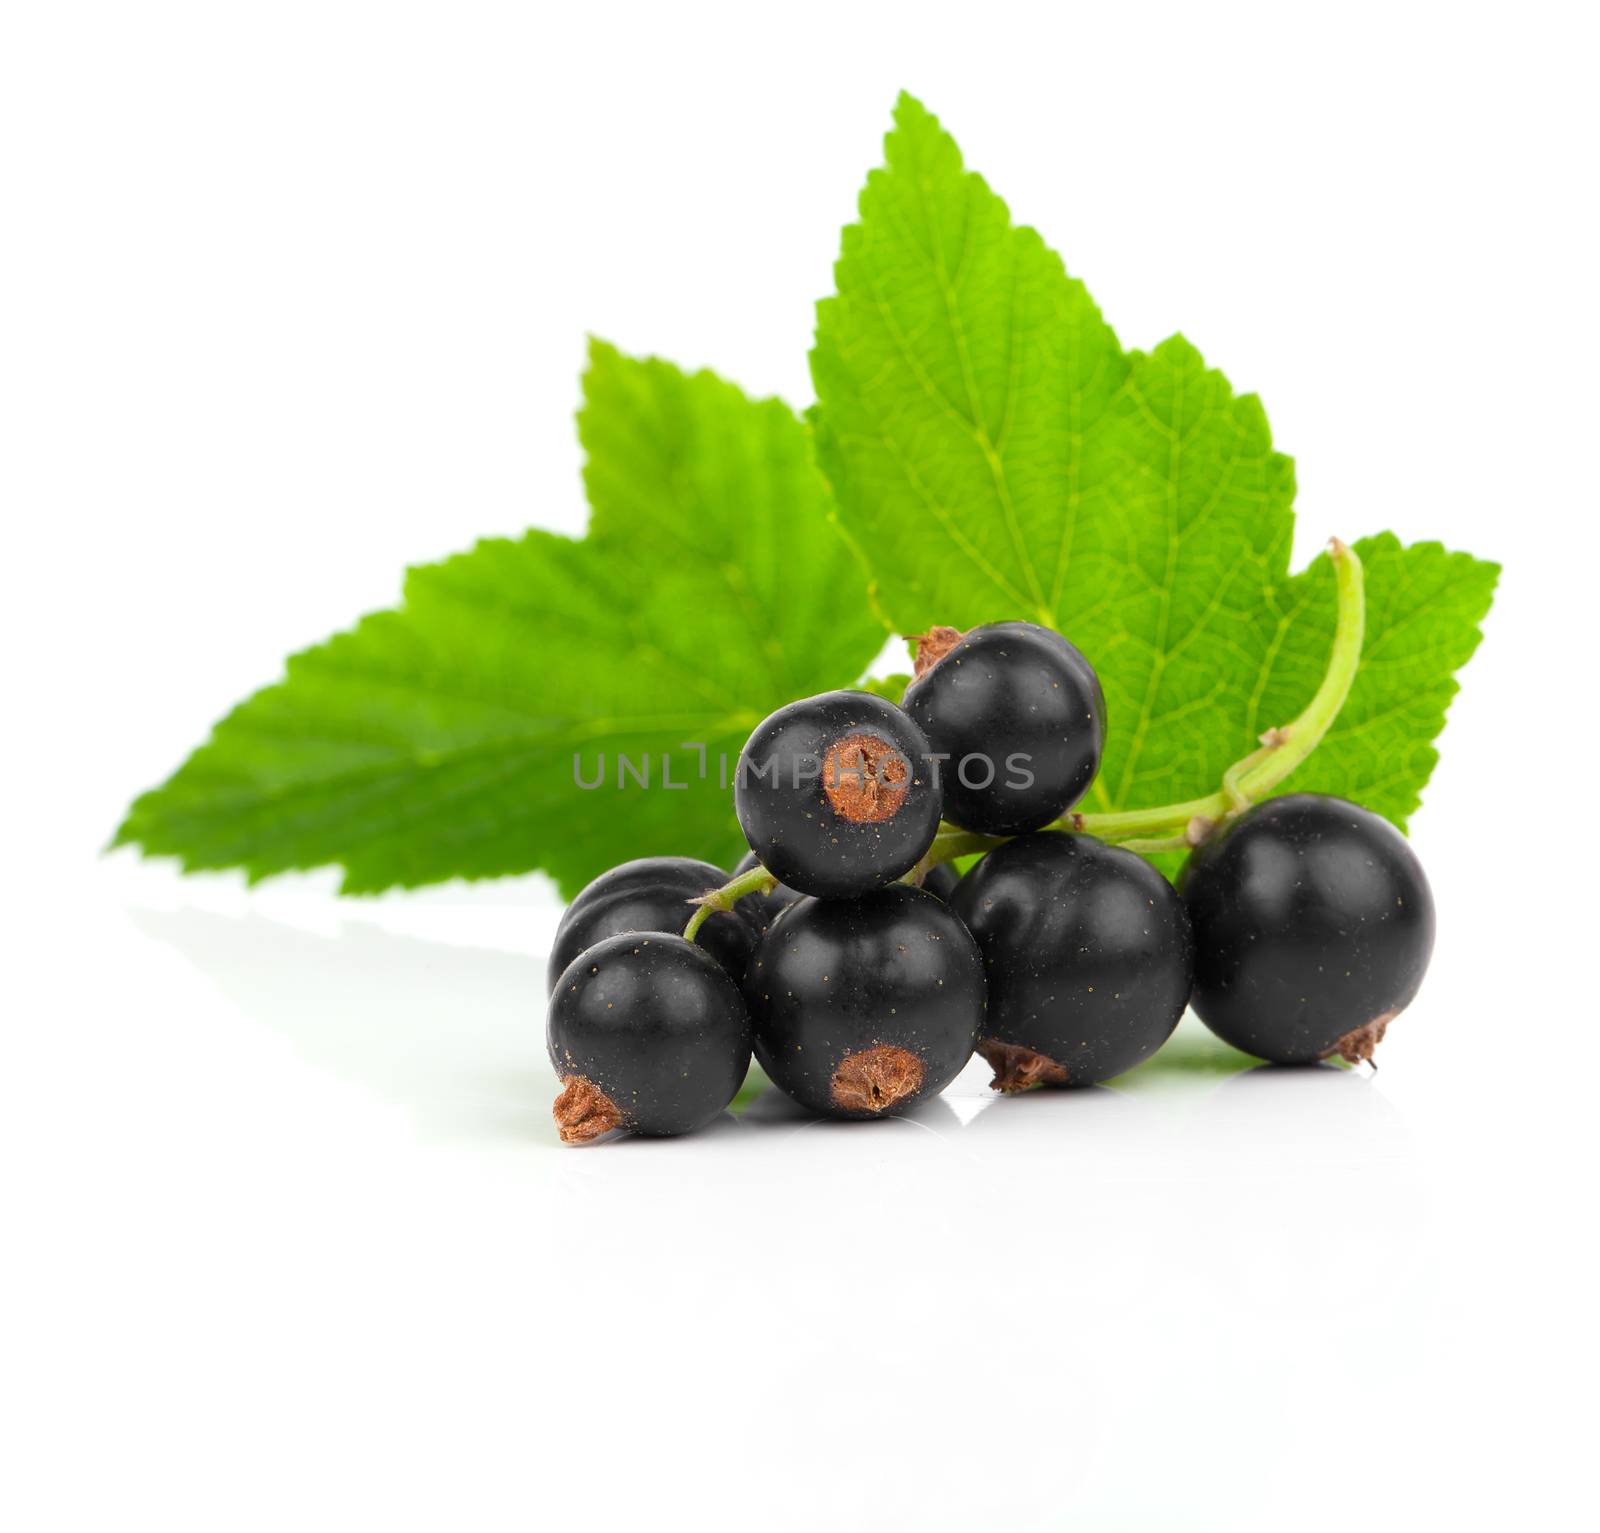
756,881
1170,827
1167,827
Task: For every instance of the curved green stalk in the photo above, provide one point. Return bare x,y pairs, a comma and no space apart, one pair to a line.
1281,750
756,881
1168,827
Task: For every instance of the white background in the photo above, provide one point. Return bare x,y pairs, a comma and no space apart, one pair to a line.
293,295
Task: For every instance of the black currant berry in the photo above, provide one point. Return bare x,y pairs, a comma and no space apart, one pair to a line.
834,795
1313,925
647,1033
862,1007
652,894
1087,955
942,881
1019,717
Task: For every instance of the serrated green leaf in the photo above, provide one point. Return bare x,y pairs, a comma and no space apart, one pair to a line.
437,740
1424,608
995,453
959,371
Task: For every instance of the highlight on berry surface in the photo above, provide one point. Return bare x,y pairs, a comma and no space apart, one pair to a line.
1282,749
723,577
837,794
1117,683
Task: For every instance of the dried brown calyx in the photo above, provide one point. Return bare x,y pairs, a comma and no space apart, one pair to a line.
876,1078
933,646
1016,1068
583,1111
866,779
1356,1047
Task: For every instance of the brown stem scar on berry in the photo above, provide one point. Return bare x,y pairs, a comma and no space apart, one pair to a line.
875,1079
1017,1068
933,646
866,779
583,1111
1357,1046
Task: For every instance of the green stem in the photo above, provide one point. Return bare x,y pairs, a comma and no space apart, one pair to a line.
1282,749
1148,846
756,881
1169,827
952,842
1233,779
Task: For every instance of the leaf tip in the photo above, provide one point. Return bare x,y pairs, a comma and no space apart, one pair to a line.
1178,350
600,353
908,109
122,836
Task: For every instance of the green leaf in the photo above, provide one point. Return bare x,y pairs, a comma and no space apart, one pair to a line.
996,453
891,687
1424,608
438,740
959,371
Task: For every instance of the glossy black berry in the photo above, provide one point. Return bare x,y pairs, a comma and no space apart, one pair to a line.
1087,954
942,881
1019,717
1313,925
863,1007
647,1033
834,796
652,894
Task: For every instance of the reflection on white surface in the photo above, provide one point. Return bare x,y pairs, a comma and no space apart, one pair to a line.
455,1035
1233,1261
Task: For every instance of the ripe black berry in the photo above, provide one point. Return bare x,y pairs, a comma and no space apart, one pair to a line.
942,881
647,1033
862,1007
652,894
1020,717
1087,954
1313,925
834,796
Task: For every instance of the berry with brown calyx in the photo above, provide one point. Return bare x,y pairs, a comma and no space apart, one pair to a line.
835,794
863,1007
647,1033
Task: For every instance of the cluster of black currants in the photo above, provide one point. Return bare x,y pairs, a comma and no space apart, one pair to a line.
863,974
